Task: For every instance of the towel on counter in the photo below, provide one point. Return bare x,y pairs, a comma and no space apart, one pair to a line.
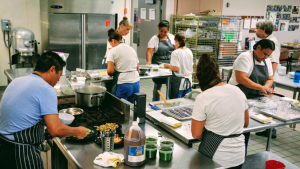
261,118
171,121
108,159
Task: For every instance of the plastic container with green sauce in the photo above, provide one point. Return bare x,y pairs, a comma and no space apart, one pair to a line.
151,150
151,139
167,143
165,153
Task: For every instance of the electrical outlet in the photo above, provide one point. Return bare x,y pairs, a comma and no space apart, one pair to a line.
5,25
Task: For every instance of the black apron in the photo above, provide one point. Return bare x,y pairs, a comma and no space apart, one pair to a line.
24,151
211,141
175,85
259,75
162,55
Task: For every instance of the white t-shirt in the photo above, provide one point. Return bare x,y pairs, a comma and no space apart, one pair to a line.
125,60
223,109
153,42
244,63
183,58
108,46
274,57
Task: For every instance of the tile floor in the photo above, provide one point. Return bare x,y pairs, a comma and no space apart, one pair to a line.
286,145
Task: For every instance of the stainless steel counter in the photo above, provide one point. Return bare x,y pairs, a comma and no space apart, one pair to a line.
14,73
82,155
258,161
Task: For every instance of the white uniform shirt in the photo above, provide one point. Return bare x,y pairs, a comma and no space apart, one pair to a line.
125,60
274,57
108,47
223,109
244,63
183,58
153,42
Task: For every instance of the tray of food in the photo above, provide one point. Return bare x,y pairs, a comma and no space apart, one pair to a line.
180,112
293,114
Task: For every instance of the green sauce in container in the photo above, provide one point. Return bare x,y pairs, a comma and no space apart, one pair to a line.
165,153
151,150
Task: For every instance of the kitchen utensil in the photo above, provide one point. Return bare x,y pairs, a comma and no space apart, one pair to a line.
91,136
162,96
65,118
153,107
120,144
90,96
107,140
73,111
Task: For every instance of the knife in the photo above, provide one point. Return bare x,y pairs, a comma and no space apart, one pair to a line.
153,107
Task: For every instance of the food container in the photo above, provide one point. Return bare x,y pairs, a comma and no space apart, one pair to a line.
171,104
167,143
151,139
165,153
281,70
65,118
151,150
291,75
273,164
90,96
73,111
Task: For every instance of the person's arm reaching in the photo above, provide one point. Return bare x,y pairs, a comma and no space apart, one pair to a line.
197,129
149,55
57,129
246,122
173,68
110,68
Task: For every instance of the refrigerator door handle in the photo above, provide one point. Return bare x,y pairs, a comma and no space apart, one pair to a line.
83,59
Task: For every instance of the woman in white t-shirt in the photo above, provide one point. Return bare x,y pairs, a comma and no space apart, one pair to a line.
182,68
123,30
252,71
159,51
123,65
220,113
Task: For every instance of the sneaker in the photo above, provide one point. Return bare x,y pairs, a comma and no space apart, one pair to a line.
266,134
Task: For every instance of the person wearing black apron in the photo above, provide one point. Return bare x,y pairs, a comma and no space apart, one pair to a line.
122,63
123,30
161,46
28,104
182,68
261,76
219,116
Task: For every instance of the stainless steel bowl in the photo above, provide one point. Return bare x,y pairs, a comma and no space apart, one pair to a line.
72,111
143,71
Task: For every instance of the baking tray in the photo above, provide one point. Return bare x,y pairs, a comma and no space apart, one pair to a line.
184,114
294,114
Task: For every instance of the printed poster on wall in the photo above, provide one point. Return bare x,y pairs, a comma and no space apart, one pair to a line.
295,10
293,27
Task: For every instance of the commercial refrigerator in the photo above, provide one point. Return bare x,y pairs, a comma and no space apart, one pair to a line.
79,27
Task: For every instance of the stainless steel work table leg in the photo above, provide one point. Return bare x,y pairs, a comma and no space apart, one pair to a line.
269,139
168,87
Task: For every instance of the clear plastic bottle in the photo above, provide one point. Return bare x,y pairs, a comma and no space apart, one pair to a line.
134,146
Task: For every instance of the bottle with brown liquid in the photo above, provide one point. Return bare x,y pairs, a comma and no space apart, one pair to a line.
134,146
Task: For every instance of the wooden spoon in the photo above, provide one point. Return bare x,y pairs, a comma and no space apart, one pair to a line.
162,96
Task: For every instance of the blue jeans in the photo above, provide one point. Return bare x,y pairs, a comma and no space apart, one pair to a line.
182,93
127,90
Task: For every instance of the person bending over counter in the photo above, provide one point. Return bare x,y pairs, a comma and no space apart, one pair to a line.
252,70
161,46
219,115
123,30
123,65
182,68
28,104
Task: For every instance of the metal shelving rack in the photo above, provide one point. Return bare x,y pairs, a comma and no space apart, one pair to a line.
202,34
229,39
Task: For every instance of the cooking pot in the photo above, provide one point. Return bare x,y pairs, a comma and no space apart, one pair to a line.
89,96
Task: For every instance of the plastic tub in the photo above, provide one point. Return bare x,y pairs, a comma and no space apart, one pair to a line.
151,150
166,143
150,139
273,164
165,153
65,118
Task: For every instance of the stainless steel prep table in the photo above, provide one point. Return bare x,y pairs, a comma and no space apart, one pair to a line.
184,132
258,160
287,83
82,155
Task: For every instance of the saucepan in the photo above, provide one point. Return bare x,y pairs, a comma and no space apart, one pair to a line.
89,96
